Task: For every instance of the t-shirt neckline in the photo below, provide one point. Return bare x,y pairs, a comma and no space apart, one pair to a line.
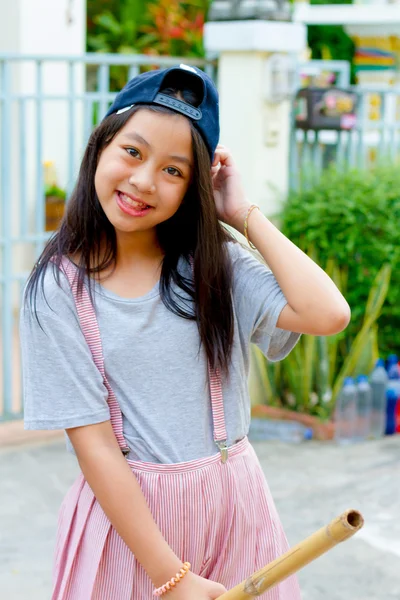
152,293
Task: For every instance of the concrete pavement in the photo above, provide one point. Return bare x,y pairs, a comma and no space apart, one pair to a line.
311,484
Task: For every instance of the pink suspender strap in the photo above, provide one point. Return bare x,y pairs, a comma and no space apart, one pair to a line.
91,332
90,329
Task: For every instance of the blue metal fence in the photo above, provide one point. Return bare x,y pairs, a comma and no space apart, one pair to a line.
374,140
35,115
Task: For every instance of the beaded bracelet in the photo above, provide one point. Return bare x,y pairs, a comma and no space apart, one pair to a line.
246,225
172,582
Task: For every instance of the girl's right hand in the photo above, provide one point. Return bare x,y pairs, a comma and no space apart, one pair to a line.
194,587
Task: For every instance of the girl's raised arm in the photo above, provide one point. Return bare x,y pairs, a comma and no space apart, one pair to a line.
314,304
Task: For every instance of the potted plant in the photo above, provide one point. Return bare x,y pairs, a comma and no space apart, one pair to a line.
54,198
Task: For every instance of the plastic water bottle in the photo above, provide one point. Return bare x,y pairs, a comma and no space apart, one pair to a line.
279,430
391,404
394,371
364,408
397,416
392,359
392,399
346,413
378,381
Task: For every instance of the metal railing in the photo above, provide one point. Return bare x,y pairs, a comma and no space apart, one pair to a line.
48,107
374,140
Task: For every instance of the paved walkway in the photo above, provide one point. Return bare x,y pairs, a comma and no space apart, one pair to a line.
311,483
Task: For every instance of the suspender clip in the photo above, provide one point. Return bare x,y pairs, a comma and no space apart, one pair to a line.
223,448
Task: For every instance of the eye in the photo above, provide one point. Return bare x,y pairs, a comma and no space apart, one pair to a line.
133,152
173,171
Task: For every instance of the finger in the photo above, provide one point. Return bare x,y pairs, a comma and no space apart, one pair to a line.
216,159
225,157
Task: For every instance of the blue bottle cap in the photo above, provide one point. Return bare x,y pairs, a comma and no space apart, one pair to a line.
348,381
380,363
392,359
308,434
362,379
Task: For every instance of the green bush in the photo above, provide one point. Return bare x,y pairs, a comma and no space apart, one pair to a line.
311,377
354,218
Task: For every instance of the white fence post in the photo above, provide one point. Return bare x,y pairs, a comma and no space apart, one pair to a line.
255,120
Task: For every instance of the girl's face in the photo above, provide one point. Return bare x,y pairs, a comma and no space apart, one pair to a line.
144,173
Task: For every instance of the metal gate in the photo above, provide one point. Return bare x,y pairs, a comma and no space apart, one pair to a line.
48,107
374,140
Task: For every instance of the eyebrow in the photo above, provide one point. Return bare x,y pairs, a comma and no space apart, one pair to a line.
175,157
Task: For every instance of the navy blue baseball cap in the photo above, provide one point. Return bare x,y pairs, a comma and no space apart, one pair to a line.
145,89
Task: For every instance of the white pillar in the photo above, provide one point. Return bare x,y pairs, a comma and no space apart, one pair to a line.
253,126
43,26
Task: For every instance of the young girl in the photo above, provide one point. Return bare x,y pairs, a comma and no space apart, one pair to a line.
136,332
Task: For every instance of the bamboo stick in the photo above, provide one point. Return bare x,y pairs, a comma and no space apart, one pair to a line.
338,530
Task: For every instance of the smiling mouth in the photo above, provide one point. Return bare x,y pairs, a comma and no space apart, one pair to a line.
138,204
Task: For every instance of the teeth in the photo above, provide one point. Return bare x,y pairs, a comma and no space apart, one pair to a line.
133,202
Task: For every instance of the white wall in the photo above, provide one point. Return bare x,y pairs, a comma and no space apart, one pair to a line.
9,30
52,26
48,28
256,132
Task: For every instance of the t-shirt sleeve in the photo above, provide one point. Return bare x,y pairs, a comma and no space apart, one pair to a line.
259,301
62,386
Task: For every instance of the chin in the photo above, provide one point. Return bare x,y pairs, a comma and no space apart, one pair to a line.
129,227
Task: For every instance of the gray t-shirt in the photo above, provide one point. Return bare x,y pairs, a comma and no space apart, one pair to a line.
152,362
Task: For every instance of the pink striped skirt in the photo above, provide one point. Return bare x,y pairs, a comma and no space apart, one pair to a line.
219,517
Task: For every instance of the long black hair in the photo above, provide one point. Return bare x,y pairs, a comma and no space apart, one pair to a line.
193,233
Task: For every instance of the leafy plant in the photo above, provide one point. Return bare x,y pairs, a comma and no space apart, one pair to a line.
175,28
354,217
348,222
54,190
160,27
114,27
117,28
310,378
152,27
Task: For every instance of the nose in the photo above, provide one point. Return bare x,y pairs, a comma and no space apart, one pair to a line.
142,179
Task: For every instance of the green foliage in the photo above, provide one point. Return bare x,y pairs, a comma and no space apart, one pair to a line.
311,377
54,190
159,27
114,26
349,223
354,217
175,28
152,27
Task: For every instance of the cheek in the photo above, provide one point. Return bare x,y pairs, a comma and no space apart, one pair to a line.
107,173
175,194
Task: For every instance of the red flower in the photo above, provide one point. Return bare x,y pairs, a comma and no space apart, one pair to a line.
177,33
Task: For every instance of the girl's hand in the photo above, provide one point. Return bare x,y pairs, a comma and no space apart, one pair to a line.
230,199
194,587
